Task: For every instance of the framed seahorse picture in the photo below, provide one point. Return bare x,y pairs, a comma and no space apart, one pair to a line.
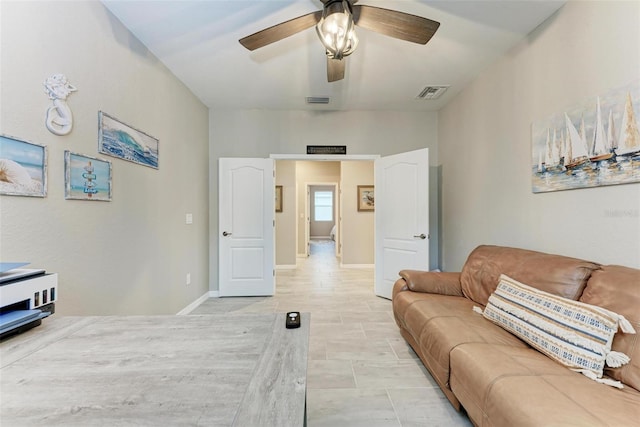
86,178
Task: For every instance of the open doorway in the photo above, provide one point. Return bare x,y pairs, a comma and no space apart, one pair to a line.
354,229
401,227
322,219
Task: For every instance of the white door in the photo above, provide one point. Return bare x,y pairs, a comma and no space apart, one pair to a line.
402,217
246,226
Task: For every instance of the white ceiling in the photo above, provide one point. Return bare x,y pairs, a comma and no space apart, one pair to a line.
198,41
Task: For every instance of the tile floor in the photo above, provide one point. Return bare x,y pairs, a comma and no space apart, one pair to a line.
361,372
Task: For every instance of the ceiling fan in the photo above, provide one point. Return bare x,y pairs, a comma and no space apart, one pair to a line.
335,27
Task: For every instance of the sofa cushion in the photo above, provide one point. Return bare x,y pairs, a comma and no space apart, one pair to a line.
617,288
476,367
439,323
508,386
573,333
555,274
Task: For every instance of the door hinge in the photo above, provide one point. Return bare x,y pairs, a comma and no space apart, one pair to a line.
274,272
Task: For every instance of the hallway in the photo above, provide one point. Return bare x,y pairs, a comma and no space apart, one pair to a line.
324,248
361,372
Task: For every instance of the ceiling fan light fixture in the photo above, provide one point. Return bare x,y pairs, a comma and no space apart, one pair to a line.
336,29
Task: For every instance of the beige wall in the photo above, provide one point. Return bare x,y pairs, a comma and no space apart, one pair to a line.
140,248
358,228
485,142
286,220
131,255
260,133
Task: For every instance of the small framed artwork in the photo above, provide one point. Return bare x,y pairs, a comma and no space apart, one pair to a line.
120,140
23,168
366,198
86,178
278,198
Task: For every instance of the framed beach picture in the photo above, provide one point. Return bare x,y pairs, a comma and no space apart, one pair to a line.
86,178
366,198
120,140
278,198
23,168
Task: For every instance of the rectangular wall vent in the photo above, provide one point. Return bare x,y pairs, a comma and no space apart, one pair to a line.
432,92
317,100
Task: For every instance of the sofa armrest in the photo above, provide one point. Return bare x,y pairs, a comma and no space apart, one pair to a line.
433,282
399,286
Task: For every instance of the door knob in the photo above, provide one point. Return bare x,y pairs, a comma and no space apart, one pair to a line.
225,233
422,236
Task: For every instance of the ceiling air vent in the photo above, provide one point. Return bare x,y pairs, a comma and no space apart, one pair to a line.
432,92
317,100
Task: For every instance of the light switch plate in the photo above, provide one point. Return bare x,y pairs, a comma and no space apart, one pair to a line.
189,218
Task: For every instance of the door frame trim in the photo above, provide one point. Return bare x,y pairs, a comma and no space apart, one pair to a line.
324,157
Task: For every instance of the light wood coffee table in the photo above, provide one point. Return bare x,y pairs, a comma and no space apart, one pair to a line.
277,392
209,370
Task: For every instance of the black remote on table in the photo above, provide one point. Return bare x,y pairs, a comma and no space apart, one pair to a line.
293,319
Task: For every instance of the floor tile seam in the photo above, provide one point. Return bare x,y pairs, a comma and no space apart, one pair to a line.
71,331
376,341
395,411
398,362
393,349
353,373
324,350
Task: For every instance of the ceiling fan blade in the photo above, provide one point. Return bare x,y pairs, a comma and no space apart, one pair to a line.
392,23
281,31
335,69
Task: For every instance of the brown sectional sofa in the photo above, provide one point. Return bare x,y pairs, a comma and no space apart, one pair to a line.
496,377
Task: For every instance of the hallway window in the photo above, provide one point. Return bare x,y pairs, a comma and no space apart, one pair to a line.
323,203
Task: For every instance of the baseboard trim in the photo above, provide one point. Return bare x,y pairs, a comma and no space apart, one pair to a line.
188,309
286,267
357,265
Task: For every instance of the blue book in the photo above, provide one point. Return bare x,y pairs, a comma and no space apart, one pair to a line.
17,318
6,266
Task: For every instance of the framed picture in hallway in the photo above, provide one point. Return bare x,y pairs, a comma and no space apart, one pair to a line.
278,198
366,198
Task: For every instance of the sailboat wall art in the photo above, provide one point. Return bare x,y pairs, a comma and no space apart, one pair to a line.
591,144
